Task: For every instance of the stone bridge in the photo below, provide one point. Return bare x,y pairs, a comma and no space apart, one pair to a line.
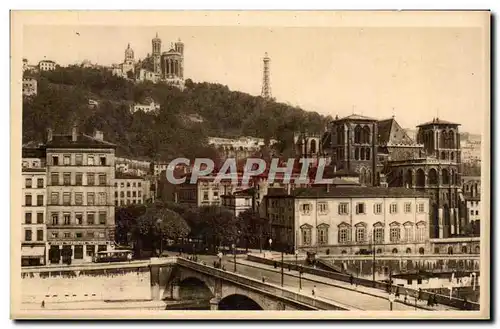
175,280
188,280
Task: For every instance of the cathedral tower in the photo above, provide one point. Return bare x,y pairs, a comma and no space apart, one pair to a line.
156,43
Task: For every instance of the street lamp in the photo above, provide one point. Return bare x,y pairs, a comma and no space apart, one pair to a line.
391,300
298,269
373,252
234,255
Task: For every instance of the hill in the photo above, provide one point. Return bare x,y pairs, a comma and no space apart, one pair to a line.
63,96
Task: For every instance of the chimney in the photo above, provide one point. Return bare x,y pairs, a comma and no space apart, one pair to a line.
49,135
73,134
98,135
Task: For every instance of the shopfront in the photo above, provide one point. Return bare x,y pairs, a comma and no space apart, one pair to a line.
75,252
33,255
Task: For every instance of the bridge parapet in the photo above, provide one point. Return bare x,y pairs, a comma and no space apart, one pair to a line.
266,288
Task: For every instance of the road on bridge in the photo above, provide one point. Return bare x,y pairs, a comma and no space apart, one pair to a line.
360,297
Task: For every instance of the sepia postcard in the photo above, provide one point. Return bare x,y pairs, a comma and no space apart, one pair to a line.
280,164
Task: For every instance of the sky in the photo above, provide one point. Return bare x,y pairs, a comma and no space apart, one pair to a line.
413,73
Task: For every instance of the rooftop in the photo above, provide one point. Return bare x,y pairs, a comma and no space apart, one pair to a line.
82,141
120,175
356,192
438,122
355,117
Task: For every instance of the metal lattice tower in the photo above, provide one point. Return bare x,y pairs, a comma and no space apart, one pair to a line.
266,83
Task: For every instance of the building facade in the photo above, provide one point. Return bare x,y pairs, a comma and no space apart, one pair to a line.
80,188
46,65
131,189
34,230
349,220
471,187
436,172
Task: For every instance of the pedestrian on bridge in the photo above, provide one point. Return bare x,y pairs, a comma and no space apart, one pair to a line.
314,291
351,279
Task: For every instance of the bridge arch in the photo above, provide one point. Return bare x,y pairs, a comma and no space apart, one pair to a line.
194,288
239,302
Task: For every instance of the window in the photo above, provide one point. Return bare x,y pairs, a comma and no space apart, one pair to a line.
216,194
55,218
420,208
66,198
29,183
67,218
102,179
90,235
393,208
477,212
395,234
102,198
27,200
306,208
55,160
360,234
67,160
116,194
472,212
90,218
39,183
27,235
420,232
39,235
79,218
90,160
139,184
139,194
27,218
78,235
122,184
78,198
378,234
205,195
39,200
54,178
407,207
343,208
54,198
344,234
323,234
102,159
78,249
39,218
323,207
128,194
134,194
90,199
133,184
79,179
122,194
128,184
78,159
102,236
90,248
67,234
360,208
408,233
306,235
377,208
90,179
102,218
54,235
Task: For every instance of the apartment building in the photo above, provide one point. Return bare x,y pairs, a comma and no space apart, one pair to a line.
347,220
80,188
131,189
30,87
47,65
34,231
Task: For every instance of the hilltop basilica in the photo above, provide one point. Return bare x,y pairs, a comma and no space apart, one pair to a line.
167,66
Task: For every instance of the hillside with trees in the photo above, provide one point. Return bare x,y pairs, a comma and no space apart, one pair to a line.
63,96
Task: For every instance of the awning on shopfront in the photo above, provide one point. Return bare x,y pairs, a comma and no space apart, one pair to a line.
34,251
